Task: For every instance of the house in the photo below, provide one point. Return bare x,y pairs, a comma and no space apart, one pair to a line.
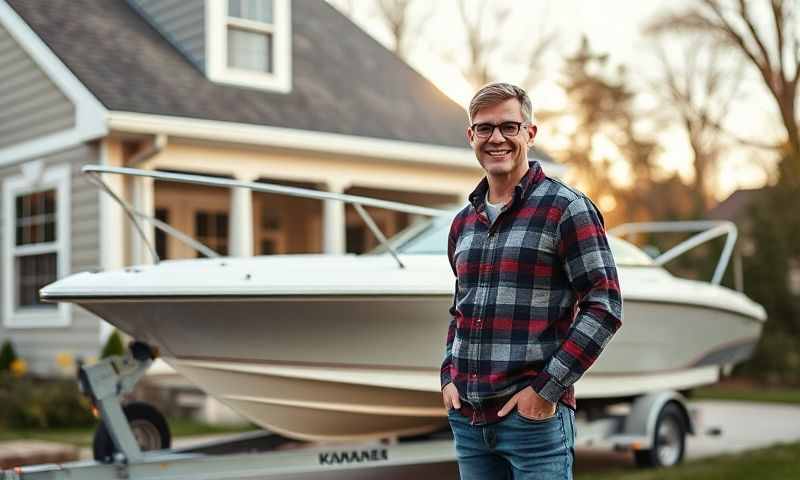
283,91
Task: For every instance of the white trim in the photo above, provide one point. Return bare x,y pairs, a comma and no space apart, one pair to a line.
112,229
292,138
217,50
90,115
59,178
307,140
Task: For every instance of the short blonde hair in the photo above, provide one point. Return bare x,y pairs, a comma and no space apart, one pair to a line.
497,92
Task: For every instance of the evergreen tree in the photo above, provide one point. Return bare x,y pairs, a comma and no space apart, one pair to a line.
113,346
7,356
774,227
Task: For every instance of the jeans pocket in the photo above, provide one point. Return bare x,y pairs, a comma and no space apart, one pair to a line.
537,420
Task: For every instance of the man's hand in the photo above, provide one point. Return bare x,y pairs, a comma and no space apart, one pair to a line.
450,397
529,404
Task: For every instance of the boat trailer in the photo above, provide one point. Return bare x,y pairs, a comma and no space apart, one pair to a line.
654,429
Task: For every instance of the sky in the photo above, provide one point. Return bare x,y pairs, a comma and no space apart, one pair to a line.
613,27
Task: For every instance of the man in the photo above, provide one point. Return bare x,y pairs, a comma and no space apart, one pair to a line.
537,299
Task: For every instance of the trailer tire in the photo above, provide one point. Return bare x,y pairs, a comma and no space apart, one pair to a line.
669,439
147,424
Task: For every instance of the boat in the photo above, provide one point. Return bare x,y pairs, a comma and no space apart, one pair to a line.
348,347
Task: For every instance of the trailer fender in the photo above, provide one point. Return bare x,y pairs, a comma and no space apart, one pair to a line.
641,422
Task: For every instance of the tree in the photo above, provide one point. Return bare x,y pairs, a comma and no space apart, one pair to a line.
113,346
772,228
485,27
395,14
595,103
7,356
482,42
700,93
772,48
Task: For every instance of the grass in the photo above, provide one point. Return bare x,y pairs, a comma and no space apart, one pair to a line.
82,437
725,391
778,462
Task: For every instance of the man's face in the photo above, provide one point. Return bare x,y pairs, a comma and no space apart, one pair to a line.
500,155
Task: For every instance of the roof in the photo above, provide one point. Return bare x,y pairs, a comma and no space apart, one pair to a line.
344,81
735,205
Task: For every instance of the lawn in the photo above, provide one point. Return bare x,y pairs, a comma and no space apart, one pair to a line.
732,391
780,462
82,437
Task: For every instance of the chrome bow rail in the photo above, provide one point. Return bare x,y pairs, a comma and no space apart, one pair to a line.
709,230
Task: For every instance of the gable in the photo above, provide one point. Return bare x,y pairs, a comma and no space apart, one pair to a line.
343,81
47,109
30,104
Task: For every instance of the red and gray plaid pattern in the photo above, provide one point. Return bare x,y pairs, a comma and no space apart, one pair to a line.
537,295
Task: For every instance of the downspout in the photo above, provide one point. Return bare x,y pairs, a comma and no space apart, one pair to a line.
158,144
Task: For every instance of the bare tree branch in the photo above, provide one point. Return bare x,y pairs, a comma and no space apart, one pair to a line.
778,67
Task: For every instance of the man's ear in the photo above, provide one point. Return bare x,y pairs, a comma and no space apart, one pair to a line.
532,129
470,135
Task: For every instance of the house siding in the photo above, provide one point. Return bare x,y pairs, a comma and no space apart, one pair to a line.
30,104
40,347
182,22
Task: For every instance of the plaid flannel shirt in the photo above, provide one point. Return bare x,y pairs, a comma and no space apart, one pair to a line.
537,296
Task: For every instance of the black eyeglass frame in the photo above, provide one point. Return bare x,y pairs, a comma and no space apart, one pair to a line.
499,126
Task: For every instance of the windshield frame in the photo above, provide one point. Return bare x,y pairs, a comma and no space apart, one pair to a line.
637,258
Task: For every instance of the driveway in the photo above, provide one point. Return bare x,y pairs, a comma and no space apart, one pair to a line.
745,426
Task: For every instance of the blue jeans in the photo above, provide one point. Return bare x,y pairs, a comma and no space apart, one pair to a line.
516,447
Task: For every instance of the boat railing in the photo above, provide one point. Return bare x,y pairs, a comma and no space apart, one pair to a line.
95,172
708,230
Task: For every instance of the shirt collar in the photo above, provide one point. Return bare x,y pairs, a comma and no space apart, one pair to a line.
532,177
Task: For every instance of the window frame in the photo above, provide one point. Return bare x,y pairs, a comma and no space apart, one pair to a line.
58,178
217,69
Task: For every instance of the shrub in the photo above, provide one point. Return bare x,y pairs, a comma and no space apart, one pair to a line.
7,356
29,402
113,346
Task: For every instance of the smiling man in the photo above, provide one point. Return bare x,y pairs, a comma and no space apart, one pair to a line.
537,299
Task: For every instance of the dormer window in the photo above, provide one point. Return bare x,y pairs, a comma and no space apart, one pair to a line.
251,27
249,43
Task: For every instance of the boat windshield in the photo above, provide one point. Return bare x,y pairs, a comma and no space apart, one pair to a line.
430,238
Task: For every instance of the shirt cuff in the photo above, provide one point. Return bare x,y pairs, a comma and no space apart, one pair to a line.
445,378
547,387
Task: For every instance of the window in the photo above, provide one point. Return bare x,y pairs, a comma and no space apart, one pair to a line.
251,29
270,233
35,219
211,229
36,250
249,43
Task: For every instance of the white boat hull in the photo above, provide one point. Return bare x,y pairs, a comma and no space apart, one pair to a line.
367,367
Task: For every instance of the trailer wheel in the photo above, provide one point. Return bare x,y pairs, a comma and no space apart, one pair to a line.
669,442
149,428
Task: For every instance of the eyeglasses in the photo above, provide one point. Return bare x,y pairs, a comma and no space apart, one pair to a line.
507,129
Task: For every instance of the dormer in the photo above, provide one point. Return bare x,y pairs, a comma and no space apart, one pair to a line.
246,43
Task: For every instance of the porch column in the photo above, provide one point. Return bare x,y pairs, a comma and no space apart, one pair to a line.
142,193
333,221
240,227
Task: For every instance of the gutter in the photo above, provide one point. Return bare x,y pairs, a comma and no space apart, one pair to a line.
262,135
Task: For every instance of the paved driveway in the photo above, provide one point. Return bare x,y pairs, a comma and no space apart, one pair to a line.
744,425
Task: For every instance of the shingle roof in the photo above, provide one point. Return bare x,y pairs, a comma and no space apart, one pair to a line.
343,80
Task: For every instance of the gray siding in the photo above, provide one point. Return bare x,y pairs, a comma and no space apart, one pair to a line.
40,346
182,22
30,104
